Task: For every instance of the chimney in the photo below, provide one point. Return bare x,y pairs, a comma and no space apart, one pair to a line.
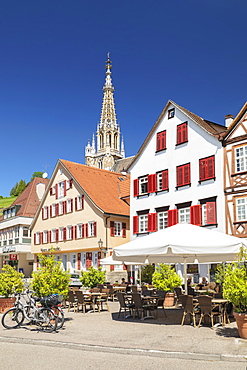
228,119
40,190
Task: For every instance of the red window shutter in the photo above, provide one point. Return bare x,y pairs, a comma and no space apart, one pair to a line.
152,224
40,238
70,183
75,203
82,201
183,175
161,141
187,174
182,133
196,215
42,213
34,238
71,205
165,184
206,168
112,228
211,213
136,187
78,261
179,176
172,216
135,225
65,207
89,259
56,209
124,230
95,228
158,142
64,187
56,191
111,266
57,231
50,211
152,183
86,230
99,258
49,237
64,233
72,232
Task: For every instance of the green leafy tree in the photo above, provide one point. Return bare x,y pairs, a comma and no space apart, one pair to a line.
147,273
92,277
36,174
10,281
13,190
50,278
18,188
166,278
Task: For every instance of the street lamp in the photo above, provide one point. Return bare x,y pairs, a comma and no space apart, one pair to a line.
100,243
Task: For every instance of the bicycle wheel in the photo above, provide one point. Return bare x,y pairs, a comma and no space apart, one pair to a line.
47,320
12,318
60,316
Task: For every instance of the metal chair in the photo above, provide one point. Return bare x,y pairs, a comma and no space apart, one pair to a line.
144,307
72,301
188,307
206,307
160,301
125,305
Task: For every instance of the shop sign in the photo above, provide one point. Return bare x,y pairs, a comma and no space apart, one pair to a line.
13,257
9,249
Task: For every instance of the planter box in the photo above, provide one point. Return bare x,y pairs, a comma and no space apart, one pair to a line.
169,300
6,303
241,320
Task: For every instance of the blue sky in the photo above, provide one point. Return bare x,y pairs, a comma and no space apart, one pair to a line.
53,55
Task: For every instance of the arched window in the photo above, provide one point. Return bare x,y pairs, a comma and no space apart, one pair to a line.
108,138
115,141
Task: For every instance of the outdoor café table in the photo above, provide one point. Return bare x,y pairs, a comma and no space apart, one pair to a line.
119,288
151,300
222,307
94,296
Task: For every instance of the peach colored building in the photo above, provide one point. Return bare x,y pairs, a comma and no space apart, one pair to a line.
84,214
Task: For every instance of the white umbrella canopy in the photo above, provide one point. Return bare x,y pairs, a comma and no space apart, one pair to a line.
179,242
110,261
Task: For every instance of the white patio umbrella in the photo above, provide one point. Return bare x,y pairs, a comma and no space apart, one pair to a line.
181,243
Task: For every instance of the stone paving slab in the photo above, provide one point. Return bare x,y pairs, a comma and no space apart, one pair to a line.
161,337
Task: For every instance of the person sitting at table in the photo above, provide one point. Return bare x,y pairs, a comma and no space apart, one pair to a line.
212,287
204,281
123,281
189,281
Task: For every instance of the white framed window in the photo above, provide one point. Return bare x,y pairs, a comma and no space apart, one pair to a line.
53,210
60,208
162,220
53,235
143,185
26,232
60,235
17,231
37,236
79,202
95,259
184,215
61,189
241,158
72,261
241,207
45,212
91,228
69,205
45,236
65,261
83,261
69,233
79,231
117,228
143,223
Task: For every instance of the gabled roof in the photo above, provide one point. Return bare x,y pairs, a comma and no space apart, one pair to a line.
212,128
28,199
235,121
104,188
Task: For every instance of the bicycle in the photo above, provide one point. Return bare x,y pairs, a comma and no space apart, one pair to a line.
43,317
53,301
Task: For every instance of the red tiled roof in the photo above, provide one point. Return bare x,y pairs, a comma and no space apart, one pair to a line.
105,188
28,199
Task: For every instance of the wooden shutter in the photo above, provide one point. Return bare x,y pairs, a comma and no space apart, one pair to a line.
152,183
86,230
123,229
83,230
88,260
206,168
71,205
64,233
75,203
211,213
75,232
182,133
196,215
99,258
57,231
136,187
165,184
161,141
152,223
95,228
42,213
135,224
158,142
82,202
172,216
70,183
183,175
49,237
65,207
56,191
34,238
56,209
112,228
41,238
64,188
50,191
50,211
78,261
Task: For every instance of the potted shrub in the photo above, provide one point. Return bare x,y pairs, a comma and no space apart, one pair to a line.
166,278
92,277
235,289
10,282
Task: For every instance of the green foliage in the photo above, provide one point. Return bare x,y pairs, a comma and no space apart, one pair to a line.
50,277
10,281
166,278
5,203
92,277
18,188
235,283
220,273
36,174
147,273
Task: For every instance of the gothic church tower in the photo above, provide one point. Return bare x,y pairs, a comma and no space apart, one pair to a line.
109,147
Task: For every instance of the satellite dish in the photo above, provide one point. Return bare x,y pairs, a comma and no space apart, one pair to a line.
45,175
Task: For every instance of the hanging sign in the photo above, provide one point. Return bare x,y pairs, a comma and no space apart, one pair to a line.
13,257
